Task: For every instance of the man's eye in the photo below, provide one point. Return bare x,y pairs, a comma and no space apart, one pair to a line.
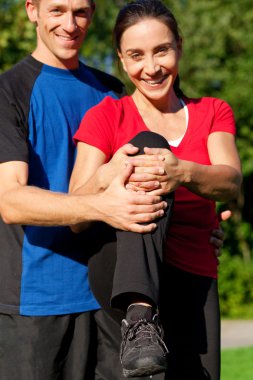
82,13
55,11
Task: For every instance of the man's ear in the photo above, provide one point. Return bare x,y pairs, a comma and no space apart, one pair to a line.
31,10
121,59
93,8
93,5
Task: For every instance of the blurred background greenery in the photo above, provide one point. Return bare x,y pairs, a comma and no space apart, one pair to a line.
217,61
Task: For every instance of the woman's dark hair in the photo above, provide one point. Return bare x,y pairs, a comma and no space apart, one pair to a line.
137,10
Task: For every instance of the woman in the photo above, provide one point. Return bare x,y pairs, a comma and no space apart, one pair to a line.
202,167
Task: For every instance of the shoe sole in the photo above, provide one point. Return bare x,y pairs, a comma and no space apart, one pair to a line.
148,371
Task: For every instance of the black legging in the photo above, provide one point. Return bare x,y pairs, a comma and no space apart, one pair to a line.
139,256
190,316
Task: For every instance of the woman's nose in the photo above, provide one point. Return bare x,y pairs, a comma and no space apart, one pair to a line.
151,66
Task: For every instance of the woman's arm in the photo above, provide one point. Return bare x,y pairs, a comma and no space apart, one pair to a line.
88,160
83,179
91,174
220,181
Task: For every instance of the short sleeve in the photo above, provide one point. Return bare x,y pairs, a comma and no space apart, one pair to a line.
13,138
97,127
224,120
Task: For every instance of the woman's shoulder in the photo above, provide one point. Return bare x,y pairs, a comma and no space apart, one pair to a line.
109,110
206,101
214,111
110,104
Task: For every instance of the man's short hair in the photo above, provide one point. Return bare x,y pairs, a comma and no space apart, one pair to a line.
36,2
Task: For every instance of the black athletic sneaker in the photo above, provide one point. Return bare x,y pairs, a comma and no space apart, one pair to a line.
143,352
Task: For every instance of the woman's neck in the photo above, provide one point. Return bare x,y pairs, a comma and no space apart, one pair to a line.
166,118
171,104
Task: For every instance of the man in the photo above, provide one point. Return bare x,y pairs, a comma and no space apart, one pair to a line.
45,299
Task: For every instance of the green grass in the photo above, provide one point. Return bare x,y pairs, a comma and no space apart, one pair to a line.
237,364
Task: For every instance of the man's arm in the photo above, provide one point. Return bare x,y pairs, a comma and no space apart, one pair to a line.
28,205
91,175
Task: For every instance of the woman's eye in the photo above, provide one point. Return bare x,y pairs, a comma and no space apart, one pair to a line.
136,56
162,51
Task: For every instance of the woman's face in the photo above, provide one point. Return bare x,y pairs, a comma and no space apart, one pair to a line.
150,55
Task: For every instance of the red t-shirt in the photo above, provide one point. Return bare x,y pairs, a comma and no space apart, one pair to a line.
114,122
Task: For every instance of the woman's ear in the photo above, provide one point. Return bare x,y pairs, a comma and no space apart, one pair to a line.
180,47
31,10
121,60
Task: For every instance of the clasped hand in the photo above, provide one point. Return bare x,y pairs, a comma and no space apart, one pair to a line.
156,172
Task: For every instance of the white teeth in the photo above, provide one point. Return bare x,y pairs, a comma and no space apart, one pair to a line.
154,82
65,38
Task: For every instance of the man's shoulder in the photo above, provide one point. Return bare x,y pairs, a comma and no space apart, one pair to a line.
109,81
20,75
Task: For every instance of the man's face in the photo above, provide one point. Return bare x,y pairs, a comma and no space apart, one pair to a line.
61,29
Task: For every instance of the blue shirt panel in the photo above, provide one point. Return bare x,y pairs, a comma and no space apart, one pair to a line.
54,275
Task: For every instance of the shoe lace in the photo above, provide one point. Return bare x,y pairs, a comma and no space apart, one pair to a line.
145,328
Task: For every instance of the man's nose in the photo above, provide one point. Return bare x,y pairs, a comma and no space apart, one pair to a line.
70,24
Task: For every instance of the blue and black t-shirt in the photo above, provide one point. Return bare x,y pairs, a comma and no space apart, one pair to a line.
43,270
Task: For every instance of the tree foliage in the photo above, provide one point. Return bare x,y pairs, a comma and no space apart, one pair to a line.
17,35
217,61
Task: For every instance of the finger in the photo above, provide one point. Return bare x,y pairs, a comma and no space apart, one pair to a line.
128,149
146,210
156,151
148,186
217,252
149,203
151,185
219,233
159,191
146,157
155,170
132,189
144,161
145,177
142,229
218,243
123,177
224,215
148,217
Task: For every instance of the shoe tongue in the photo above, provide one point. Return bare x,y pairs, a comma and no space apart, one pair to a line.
137,312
